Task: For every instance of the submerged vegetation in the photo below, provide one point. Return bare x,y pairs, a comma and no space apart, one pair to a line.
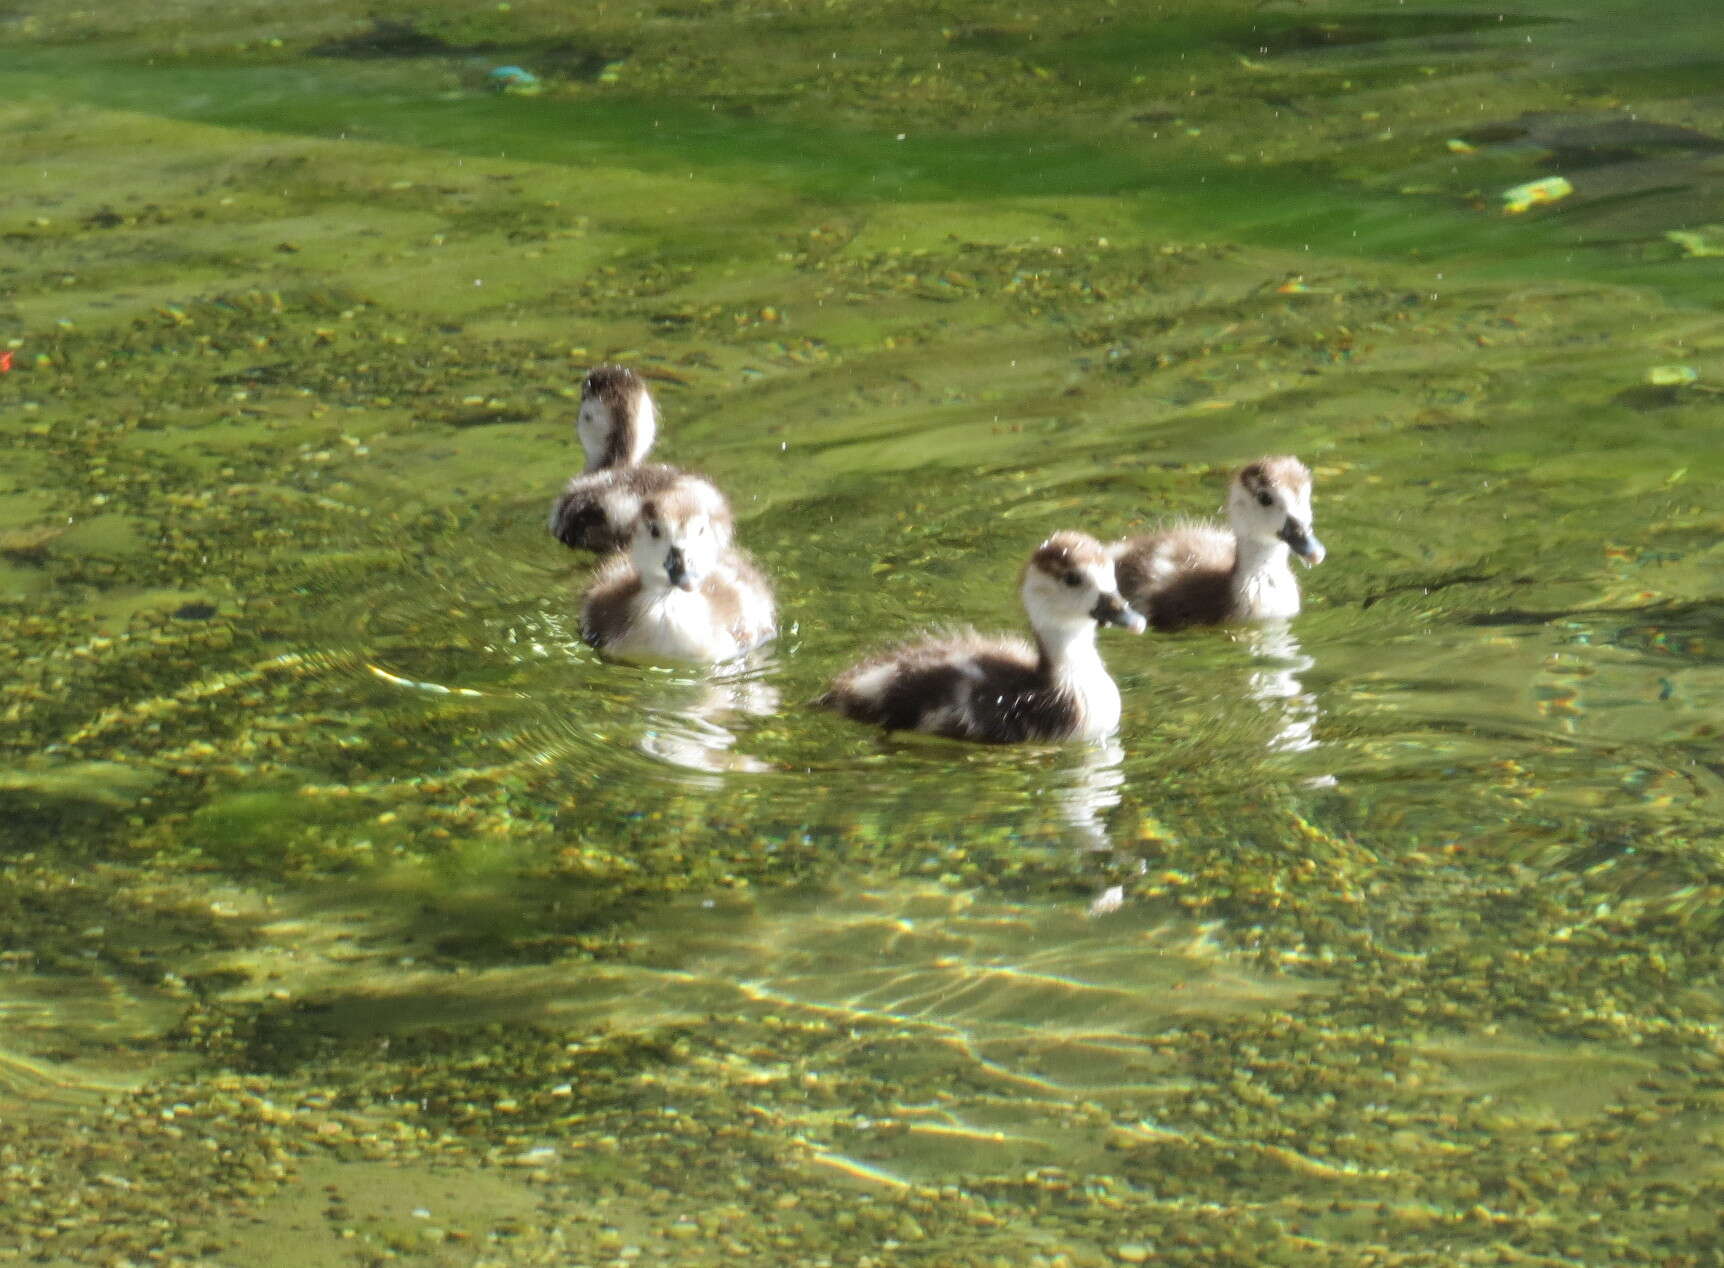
352,912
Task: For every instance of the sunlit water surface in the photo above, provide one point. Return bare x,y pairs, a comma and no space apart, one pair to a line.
1394,926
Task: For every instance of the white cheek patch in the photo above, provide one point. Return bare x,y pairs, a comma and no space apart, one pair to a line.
1053,605
648,552
1264,521
693,557
592,426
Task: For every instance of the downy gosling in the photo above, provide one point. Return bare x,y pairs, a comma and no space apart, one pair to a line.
1002,690
1204,574
681,592
617,424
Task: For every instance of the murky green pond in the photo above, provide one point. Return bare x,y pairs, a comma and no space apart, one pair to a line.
355,912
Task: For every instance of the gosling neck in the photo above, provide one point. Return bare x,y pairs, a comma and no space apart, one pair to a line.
1258,557
625,443
1264,587
1067,649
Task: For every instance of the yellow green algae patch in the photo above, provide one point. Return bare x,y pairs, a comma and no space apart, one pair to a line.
355,911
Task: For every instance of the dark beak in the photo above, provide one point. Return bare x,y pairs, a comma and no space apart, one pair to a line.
1110,609
1303,541
676,568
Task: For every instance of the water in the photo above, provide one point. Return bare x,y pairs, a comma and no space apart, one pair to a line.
354,908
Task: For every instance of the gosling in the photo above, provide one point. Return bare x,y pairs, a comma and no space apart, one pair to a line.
617,424
681,592
1204,574
1003,690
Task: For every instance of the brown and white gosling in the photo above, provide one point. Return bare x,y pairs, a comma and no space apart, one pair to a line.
617,424
1003,690
1204,574
681,592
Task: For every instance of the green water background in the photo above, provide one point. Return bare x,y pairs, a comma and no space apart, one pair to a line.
326,836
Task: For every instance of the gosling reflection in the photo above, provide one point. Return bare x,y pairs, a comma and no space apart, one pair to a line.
1275,685
688,727
1090,789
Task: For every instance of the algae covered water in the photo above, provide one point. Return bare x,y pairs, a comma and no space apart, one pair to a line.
355,911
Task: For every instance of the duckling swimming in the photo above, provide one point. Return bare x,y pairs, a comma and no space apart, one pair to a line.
1203,574
617,424
681,592
1004,690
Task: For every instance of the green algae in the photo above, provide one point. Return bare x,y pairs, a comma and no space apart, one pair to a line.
335,860
1184,147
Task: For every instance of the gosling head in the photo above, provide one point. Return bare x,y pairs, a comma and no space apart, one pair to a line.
617,421
679,536
1069,588
1270,501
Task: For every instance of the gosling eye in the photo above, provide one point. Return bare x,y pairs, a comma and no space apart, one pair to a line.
1263,499
653,529
1072,579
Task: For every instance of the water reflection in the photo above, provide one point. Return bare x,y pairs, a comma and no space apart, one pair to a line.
1274,683
1528,731
1091,788
686,726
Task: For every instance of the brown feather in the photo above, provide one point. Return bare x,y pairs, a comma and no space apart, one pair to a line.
586,515
1193,584
965,687
608,609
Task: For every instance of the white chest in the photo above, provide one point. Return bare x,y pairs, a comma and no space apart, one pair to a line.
676,625
1101,711
1087,680
1266,594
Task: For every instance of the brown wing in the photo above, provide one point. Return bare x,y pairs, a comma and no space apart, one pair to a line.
932,685
1180,577
1014,701
578,515
607,611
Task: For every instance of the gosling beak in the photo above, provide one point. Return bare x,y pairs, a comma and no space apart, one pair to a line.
1110,609
1303,541
677,569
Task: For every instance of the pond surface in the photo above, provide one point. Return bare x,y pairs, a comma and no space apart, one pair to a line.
354,911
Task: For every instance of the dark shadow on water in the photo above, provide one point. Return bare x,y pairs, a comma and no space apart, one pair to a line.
390,38
1703,615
